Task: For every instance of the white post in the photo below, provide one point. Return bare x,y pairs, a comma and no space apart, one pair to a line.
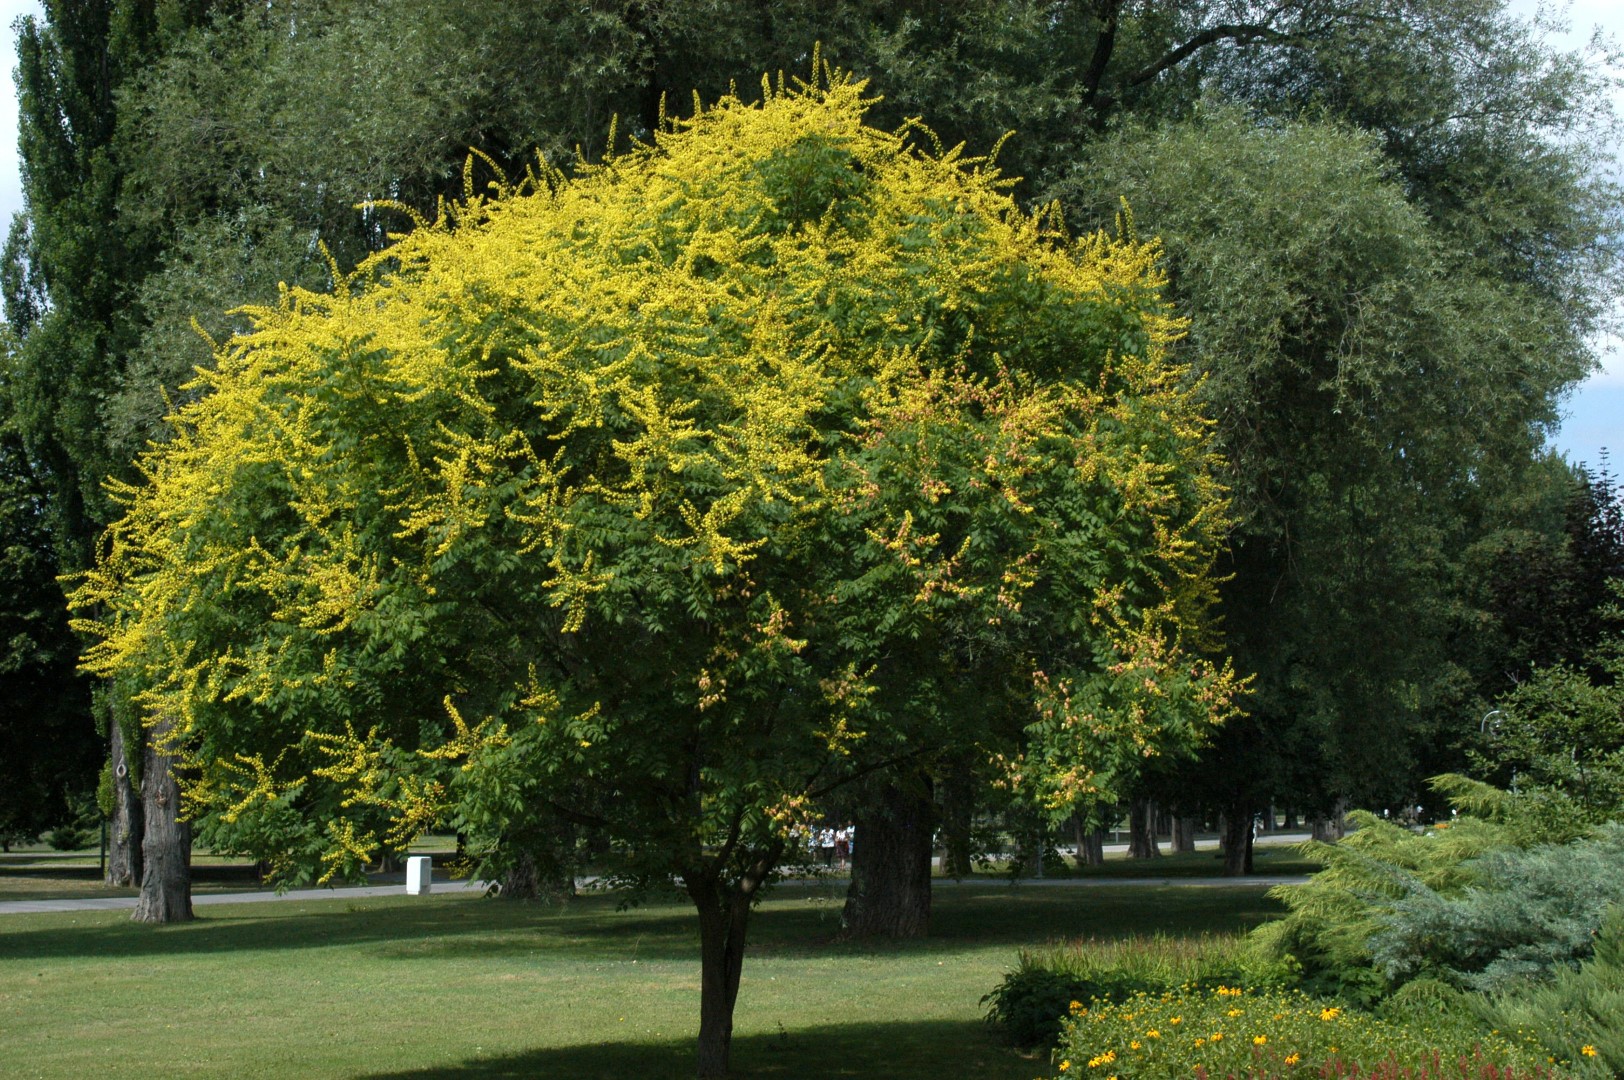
419,875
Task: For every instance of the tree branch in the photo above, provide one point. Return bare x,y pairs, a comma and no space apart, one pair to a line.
1104,45
866,771
1239,33
1242,34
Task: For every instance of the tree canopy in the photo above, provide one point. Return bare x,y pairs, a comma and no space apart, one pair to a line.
676,495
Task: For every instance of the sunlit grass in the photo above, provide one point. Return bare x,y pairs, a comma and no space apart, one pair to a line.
455,985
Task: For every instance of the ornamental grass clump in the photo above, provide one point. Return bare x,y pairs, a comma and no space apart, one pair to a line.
1232,1032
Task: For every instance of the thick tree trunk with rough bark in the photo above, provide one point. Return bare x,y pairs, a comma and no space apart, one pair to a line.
890,874
166,844
1142,830
1184,835
1238,841
124,831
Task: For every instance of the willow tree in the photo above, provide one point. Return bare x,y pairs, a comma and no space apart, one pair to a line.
629,500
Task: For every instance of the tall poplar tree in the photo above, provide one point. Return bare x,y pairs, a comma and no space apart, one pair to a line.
73,266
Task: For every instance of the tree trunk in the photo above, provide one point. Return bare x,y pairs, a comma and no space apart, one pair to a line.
1237,841
958,815
125,829
724,917
544,868
890,871
1184,835
1092,850
1141,830
166,844
1331,829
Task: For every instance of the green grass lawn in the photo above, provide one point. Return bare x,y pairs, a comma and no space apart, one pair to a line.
462,986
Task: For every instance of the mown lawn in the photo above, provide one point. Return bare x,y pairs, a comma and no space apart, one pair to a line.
461,986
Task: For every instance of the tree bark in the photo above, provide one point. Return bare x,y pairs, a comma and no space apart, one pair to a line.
125,829
890,873
724,918
1184,835
1238,842
1331,829
166,843
958,814
1091,848
544,869
1142,830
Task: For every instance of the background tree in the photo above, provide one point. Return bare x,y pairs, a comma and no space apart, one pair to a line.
48,754
73,263
1377,392
551,492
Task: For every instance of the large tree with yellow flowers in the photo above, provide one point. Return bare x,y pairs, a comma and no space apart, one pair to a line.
669,498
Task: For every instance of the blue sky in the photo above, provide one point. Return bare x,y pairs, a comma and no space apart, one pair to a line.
1594,412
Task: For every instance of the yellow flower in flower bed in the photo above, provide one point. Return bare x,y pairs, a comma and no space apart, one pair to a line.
1295,1042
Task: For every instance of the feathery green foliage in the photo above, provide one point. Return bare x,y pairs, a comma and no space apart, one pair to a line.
1583,1008
1480,904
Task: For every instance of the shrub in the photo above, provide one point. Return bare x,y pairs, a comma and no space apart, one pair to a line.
1229,1032
1469,901
69,838
1031,1003
1533,912
1333,917
1583,1008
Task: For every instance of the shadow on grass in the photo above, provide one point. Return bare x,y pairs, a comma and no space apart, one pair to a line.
207,874
908,1050
790,923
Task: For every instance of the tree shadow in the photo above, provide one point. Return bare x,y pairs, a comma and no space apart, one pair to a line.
592,928
898,1050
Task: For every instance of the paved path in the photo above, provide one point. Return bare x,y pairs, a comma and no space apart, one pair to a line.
127,903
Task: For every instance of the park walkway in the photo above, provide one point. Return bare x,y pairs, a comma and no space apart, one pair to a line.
127,903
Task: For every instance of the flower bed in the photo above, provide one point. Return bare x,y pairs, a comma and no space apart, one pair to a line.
1228,1032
